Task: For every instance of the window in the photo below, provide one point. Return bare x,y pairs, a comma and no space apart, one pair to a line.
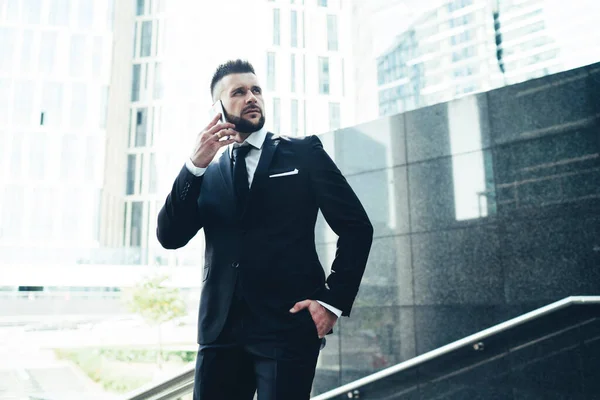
158,88
276,115
47,52
78,108
135,39
461,37
140,181
12,10
343,78
12,211
152,184
59,12
23,103
156,123
332,33
26,51
135,82
5,102
276,26
139,9
31,11
294,118
130,183
109,15
304,118
97,58
77,59
146,39
69,156
334,116
323,75
7,44
40,224
141,127
158,39
322,3
294,28
38,154
16,156
458,4
303,31
271,71
86,14
103,107
464,53
304,73
293,73
135,235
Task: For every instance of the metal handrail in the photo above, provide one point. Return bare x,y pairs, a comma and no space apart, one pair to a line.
178,385
469,340
183,383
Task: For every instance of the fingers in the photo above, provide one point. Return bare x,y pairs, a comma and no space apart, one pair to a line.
301,305
223,143
219,127
225,133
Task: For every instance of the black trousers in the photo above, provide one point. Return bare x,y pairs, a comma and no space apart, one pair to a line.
239,363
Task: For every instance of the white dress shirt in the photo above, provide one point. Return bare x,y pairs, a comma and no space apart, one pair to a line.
256,140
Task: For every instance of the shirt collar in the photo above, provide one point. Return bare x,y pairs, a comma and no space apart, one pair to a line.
255,139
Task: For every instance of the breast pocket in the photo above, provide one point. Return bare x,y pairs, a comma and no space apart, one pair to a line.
283,174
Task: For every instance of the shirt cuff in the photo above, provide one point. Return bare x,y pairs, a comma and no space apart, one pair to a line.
334,310
196,171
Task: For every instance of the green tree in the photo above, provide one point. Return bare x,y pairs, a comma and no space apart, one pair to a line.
157,304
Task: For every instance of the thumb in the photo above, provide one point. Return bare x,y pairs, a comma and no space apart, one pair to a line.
300,306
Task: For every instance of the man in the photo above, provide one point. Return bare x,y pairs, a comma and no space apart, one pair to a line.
265,303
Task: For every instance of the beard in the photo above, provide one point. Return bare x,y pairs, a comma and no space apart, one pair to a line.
243,125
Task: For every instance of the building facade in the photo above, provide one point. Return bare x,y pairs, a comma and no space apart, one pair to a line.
448,52
309,66
467,46
54,84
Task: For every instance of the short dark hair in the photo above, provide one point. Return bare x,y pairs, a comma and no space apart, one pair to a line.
228,68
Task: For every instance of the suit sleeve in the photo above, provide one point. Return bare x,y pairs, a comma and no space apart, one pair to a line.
179,219
346,216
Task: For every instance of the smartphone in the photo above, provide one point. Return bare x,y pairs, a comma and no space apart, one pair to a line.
217,108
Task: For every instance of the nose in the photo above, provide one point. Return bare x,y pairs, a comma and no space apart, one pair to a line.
251,98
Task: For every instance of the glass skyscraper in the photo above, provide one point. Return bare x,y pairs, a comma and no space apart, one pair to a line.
467,46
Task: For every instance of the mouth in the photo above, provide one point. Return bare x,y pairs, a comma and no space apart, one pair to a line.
253,111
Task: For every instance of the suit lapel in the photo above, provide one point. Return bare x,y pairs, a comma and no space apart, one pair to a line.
226,173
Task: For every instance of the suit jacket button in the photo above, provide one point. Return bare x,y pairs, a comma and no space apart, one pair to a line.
235,264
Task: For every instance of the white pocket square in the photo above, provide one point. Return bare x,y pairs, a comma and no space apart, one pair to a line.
294,172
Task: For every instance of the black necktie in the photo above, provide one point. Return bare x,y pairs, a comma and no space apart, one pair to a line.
240,175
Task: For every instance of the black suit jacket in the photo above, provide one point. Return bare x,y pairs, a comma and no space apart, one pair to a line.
270,245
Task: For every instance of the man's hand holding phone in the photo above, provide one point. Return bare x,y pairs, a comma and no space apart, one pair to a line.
210,140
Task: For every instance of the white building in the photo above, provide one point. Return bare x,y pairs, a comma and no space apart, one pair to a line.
447,52
541,37
54,74
465,46
308,74
165,55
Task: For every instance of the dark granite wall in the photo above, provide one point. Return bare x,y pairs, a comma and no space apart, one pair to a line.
484,208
